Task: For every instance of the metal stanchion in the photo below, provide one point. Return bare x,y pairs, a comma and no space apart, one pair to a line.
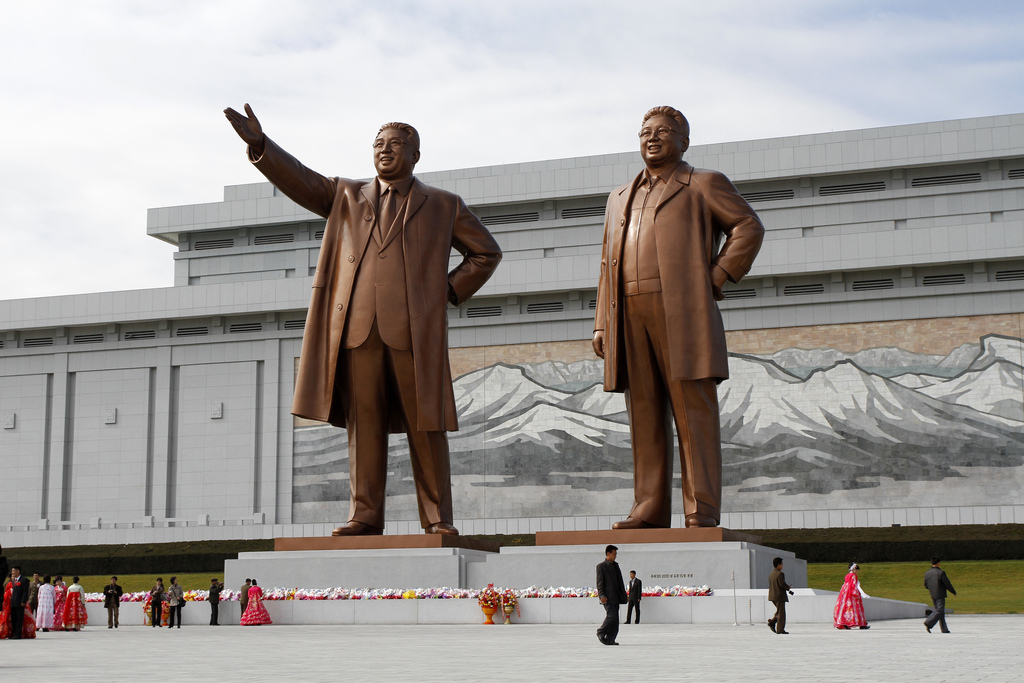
735,609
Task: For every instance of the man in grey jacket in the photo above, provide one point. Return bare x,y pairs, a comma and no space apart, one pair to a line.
937,583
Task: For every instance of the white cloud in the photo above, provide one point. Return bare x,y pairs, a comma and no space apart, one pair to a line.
110,108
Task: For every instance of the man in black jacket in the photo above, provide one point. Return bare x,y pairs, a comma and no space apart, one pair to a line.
19,598
112,601
777,589
635,590
937,583
612,594
214,599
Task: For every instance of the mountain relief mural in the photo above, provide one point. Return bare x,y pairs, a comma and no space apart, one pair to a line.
799,428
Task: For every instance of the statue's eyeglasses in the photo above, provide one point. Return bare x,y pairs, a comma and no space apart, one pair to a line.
661,131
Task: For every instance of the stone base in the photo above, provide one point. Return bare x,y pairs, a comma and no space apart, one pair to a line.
385,542
622,536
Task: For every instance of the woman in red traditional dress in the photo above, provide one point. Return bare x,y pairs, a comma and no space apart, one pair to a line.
849,610
255,613
75,616
60,594
28,628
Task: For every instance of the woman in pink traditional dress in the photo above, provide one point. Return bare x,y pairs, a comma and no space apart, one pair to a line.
44,613
60,594
75,616
28,627
255,613
849,610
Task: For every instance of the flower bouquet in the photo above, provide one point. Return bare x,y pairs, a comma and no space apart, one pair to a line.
489,601
509,602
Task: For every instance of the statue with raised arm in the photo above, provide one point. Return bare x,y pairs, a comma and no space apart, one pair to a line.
657,324
374,354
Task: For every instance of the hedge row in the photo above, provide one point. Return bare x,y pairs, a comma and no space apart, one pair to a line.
903,551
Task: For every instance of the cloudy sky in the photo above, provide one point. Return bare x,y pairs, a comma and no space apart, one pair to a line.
108,108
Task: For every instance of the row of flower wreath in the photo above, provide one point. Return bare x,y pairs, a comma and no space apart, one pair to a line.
442,593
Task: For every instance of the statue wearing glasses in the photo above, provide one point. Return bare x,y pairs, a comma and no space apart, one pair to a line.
657,325
375,348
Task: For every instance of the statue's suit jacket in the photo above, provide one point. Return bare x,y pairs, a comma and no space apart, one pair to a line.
696,210
435,221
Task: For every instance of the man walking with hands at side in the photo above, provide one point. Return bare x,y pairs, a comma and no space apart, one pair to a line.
612,594
777,589
635,590
937,583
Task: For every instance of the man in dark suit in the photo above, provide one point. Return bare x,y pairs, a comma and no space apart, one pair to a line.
937,583
777,593
112,601
243,596
657,325
374,353
19,598
635,590
214,599
612,594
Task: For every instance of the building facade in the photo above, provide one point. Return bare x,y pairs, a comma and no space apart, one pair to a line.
876,357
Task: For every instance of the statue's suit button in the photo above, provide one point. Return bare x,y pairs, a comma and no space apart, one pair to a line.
622,221
340,306
367,218
613,304
351,258
615,262
383,255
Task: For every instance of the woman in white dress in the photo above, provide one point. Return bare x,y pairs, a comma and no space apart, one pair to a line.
44,615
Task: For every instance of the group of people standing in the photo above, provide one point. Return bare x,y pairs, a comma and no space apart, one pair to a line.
250,598
41,604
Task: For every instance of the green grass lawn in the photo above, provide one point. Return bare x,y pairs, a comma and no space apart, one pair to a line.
983,586
133,583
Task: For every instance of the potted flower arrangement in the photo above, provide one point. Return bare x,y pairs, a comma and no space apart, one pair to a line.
509,602
490,602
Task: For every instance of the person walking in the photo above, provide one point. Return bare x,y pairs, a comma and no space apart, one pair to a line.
849,610
635,591
937,583
175,601
777,589
44,614
156,602
612,594
214,599
112,601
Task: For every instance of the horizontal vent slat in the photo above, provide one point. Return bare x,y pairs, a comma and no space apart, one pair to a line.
1009,275
318,235
274,239
800,290
851,188
203,245
1016,174
483,311
868,285
548,307
585,212
87,338
954,179
140,334
768,195
295,324
509,218
940,280
592,305
192,331
245,327
739,293
1,343
37,341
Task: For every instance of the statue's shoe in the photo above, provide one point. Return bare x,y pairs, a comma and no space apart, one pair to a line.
355,528
700,521
634,523
441,528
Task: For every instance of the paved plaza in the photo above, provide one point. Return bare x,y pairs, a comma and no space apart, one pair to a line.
981,648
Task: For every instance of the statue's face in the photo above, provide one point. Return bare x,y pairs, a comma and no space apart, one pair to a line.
393,154
661,142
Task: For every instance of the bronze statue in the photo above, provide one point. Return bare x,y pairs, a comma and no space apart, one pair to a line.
657,324
375,349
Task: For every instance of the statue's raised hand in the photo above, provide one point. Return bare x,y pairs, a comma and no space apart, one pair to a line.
247,127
